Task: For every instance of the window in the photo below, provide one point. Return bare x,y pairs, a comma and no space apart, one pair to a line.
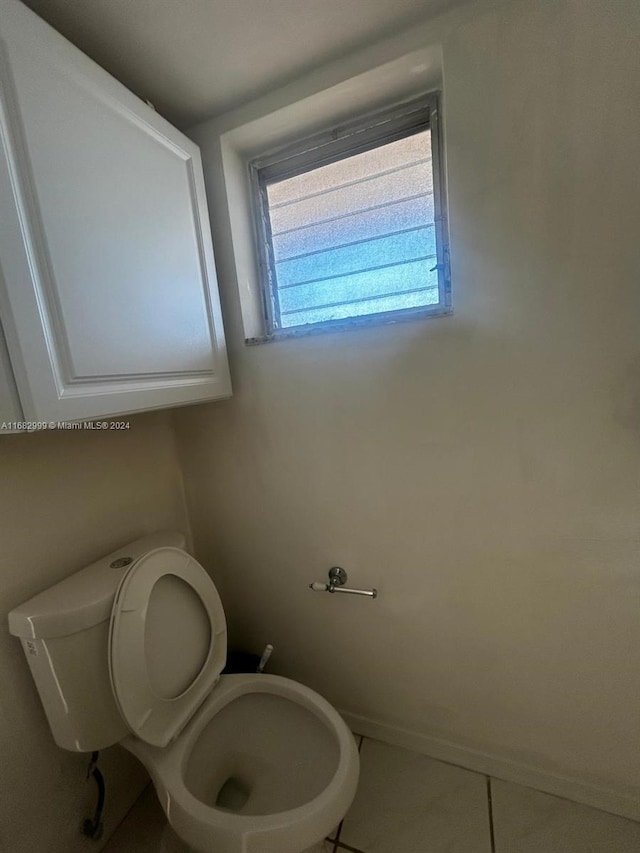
351,224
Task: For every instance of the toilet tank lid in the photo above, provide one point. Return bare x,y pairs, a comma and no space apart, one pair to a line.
85,598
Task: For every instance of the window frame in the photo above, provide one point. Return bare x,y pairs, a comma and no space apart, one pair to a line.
364,134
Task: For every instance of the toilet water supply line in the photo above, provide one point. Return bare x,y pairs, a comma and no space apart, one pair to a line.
93,827
337,581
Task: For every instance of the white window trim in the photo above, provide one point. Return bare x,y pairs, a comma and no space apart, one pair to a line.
368,132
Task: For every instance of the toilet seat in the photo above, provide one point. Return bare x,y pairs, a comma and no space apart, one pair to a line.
167,643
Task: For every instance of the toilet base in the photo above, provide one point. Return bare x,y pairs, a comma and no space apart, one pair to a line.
170,843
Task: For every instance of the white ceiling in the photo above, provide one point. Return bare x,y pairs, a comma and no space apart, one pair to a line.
195,58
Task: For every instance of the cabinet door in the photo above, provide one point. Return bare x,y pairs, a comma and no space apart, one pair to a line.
110,300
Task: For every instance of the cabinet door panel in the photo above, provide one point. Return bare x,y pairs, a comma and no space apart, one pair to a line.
122,311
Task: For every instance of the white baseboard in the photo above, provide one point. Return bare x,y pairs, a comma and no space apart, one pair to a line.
570,788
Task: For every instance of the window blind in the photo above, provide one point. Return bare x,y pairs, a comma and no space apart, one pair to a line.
356,236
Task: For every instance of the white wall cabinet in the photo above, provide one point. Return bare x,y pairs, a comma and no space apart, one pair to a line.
108,292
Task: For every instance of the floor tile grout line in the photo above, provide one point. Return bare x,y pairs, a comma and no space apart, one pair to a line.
341,845
492,836
349,848
128,812
337,838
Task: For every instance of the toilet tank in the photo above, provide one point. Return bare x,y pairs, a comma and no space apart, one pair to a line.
65,636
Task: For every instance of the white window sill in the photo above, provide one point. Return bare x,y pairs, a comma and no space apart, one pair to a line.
389,319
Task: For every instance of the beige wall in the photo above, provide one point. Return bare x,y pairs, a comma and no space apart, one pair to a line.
66,499
481,470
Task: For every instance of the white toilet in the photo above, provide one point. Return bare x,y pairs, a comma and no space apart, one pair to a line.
130,651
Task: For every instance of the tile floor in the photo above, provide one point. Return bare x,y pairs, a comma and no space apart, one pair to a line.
408,803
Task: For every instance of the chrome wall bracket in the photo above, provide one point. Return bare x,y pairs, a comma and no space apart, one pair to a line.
337,577
337,581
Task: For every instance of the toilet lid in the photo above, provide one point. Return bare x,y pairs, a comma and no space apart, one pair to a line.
167,643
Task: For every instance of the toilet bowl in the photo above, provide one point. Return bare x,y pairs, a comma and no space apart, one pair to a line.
131,650
265,766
